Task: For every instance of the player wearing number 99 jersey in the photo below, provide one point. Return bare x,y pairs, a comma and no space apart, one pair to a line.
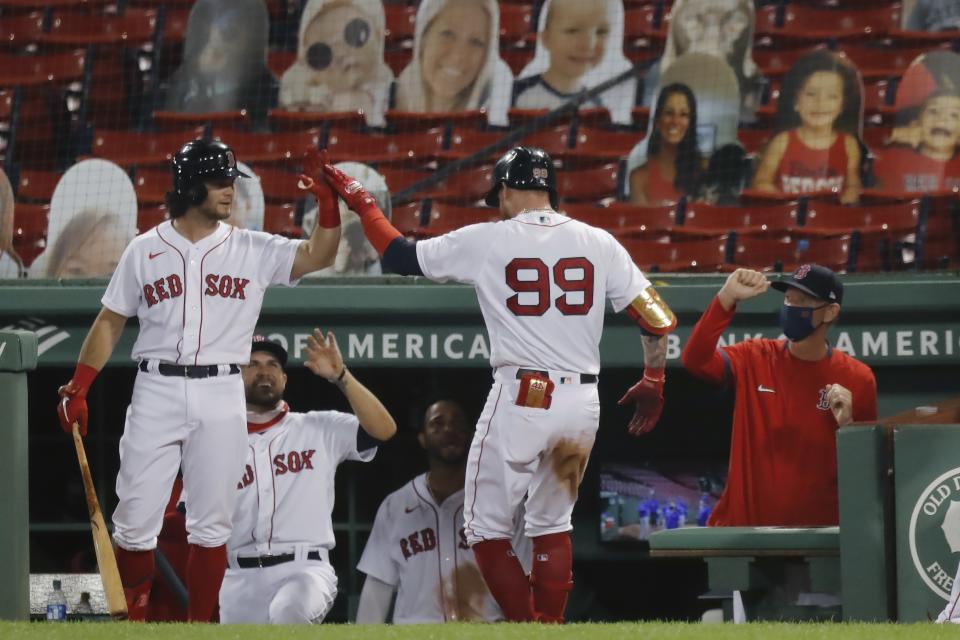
542,280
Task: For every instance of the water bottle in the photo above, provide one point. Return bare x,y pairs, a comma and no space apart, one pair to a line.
56,604
83,608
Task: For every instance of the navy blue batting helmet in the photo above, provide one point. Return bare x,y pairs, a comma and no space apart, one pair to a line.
525,168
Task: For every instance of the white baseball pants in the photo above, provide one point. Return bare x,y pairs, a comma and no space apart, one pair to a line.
540,453
199,424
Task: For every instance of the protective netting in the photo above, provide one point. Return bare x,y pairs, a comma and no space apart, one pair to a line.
706,134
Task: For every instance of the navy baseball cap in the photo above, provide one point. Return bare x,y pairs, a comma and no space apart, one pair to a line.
262,343
815,281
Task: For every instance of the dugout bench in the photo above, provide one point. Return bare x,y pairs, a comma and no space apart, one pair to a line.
895,553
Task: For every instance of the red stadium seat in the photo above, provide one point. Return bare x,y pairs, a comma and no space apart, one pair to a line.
278,185
775,61
805,22
128,148
516,21
704,218
32,5
940,246
286,147
406,218
37,185
605,143
397,148
177,120
644,23
283,120
881,61
447,217
56,68
401,21
399,179
767,253
468,185
402,121
133,28
465,142
517,57
149,217
17,32
695,255
555,140
589,184
279,61
282,219
880,229
397,58
623,219
152,185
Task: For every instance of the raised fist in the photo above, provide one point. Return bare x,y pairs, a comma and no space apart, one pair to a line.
841,404
647,396
72,407
742,284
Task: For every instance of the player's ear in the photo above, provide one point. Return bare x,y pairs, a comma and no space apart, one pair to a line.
422,440
831,312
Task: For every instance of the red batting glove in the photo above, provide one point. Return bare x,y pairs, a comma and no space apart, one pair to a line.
312,180
350,189
647,396
73,399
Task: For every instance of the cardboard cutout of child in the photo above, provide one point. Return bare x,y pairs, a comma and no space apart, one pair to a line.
11,266
339,64
816,148
922,154
579,45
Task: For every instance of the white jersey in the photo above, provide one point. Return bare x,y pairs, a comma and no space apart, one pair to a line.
198,303
286,493
542,280
420,548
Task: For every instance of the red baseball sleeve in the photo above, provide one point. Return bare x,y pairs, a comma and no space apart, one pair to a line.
700,356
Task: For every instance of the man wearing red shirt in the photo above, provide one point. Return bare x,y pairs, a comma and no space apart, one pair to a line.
791,397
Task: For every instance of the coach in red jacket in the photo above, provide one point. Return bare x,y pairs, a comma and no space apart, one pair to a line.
791,397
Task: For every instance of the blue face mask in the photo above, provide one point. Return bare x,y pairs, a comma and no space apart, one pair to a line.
797,322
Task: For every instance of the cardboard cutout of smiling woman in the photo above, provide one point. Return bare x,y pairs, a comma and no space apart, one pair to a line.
224,60
93,215
713,124
339,64
721,28
456,64
579,45
10,264
819,120
922,153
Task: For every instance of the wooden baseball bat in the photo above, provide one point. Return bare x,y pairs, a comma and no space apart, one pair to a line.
106,560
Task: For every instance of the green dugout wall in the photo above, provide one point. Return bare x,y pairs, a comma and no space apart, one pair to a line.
892,322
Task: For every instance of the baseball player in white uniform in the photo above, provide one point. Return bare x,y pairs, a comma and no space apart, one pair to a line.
196,286
418,549
542,280
279,570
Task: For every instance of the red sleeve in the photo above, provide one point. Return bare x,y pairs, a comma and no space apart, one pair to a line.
700,356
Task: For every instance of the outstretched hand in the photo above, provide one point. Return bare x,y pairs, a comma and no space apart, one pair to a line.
323,355
312,179
350,189
647,397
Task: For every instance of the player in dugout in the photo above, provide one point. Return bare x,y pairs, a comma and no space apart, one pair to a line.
278,570
542,280
791,396
419,529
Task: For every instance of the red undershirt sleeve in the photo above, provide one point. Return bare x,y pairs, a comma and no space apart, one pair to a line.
700,356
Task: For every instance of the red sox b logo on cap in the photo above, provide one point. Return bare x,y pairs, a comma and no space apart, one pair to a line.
801,272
